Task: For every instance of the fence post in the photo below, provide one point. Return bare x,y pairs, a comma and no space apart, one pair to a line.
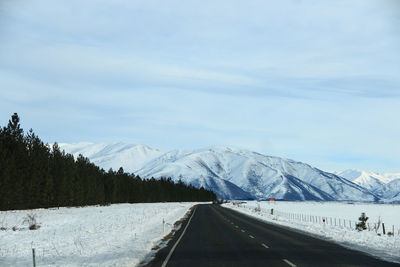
163,225
383,227
33,257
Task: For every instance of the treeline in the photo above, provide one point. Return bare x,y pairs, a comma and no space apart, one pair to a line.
33,175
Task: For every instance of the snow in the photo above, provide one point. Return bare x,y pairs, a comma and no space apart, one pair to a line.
383,246
369,180
257,175
385,185
240,174
114,155
115,235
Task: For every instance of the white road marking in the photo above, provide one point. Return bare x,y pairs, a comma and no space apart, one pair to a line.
243,231
265,246
173,248
236,226
288,262
251,236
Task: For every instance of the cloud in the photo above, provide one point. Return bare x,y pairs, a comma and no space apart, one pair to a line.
308,80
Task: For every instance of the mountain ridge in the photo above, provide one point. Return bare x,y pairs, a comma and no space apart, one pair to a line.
232,173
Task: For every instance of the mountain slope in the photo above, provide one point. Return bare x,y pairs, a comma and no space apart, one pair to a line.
261,176
370,180
386,185
114,155
233,173
390,191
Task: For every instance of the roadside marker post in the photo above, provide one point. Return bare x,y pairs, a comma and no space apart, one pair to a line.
33,257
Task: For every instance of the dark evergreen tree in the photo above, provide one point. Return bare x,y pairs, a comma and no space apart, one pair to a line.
14,126
362,224
34,176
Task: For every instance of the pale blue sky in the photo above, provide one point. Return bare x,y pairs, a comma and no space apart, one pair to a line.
315,81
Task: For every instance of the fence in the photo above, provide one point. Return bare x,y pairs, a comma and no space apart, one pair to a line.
378,227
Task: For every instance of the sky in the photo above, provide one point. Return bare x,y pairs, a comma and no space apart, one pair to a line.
314,81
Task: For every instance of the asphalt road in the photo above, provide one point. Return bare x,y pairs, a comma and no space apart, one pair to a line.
215,236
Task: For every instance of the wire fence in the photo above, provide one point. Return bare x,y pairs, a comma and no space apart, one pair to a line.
379,227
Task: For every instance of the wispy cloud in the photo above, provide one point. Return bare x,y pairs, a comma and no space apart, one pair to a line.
308,80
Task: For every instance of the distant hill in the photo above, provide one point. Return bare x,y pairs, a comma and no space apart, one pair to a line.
114,155
384,185
241,174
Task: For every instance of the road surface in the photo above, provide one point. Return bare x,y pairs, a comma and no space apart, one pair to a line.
216,236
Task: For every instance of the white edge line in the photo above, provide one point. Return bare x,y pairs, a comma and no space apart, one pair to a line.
251,236
288,262
179,239
265,246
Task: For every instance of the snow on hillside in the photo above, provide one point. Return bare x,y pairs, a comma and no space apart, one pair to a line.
116,235
114,155
259,175
390,191
240,174
382,246
369,180
386,185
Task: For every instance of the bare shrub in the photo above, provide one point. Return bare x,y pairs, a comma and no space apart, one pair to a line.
30,219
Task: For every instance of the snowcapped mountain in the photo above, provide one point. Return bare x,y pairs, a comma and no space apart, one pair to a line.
386,185
240,174
114,155
259,175
369,180
390,191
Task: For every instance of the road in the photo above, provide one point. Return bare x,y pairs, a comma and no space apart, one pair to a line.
216,236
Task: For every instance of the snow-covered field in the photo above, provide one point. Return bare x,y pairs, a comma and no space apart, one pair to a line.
309,216
116,235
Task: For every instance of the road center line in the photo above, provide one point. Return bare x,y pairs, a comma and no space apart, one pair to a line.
265,246
173,248
251,236
288,262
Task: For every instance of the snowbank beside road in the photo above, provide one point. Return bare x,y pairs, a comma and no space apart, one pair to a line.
116,235
308,217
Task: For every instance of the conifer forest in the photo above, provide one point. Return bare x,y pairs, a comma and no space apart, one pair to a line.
36,175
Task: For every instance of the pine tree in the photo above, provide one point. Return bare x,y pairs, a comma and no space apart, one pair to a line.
14,126
34,176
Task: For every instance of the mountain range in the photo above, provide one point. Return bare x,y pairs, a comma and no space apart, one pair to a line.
241,174
384,185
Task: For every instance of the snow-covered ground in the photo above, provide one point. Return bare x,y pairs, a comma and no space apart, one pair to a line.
309,216
116,235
